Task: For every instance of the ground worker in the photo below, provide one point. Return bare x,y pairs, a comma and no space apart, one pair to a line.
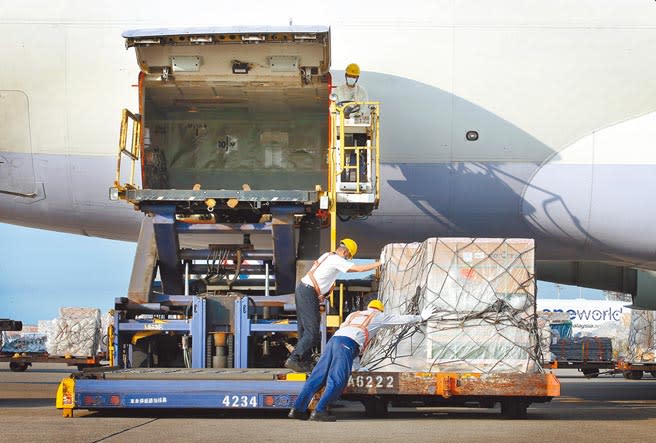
311,291
334,366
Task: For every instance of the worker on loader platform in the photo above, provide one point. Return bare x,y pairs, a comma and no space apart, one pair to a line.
350,91
334,366
311,291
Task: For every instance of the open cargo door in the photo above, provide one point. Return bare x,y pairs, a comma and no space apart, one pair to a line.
224,107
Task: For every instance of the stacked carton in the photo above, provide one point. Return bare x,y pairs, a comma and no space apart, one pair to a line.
484,293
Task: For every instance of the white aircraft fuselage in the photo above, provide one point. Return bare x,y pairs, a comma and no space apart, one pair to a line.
561,94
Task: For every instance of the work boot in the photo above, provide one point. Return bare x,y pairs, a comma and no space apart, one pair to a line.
322,416
299,415
295,365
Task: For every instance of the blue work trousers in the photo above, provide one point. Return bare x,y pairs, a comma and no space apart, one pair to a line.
309,320
333,371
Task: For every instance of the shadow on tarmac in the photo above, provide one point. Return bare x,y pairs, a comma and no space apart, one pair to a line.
606,401
26,402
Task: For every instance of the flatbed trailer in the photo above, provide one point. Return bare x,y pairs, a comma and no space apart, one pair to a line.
19,362
635,370
275,388
514,391
589,369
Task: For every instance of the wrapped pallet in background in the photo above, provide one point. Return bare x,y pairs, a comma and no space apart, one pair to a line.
105,321
484,294
642,337
75,332
23,342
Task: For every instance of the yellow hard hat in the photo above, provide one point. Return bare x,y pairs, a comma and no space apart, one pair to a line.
353,70
350,245
376,304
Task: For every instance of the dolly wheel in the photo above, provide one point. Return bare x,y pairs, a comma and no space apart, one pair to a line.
633,375
375,407
514,408
18,367
590,373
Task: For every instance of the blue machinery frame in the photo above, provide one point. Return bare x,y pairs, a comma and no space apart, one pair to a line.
250,394
196,327
205,388
198,392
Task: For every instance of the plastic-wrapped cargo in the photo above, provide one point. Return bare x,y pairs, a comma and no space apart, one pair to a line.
29,342
75,332
552,326
642,337
546,336
46,327
105,321
484,293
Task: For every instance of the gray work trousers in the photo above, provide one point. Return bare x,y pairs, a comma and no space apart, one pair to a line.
309,319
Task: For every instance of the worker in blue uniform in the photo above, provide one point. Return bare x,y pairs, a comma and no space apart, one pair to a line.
334,366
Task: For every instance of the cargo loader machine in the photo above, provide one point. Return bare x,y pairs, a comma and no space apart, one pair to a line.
244,161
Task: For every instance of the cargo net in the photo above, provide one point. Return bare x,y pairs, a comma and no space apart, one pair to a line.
484,294
642,336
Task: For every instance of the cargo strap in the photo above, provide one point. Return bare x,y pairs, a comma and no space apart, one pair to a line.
361,320
310,274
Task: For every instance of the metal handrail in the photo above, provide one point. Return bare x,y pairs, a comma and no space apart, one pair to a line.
133,152
374,149
337,161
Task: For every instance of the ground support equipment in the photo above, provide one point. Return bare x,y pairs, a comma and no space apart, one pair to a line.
514,391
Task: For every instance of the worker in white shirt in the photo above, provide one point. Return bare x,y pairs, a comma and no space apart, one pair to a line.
334,366
350,91
311,291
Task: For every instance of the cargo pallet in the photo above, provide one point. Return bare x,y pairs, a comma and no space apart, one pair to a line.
635,370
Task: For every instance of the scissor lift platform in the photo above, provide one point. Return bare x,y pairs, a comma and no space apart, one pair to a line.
179,388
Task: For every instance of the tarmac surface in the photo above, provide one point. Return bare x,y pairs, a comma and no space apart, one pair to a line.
605,409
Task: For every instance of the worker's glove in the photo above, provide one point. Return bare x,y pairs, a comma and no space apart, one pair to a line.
427,313
382,259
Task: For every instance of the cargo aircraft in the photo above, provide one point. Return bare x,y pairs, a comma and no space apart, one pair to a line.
510,118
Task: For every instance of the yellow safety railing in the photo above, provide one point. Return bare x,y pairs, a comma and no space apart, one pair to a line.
132,152
372,132
369,119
